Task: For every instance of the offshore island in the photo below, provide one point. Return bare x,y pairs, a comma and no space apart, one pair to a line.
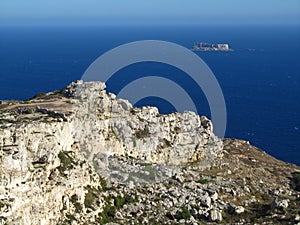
82,156
206,47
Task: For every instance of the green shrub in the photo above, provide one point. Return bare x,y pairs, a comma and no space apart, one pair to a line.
103,183
40,95
66,162
29,111
91,196
184,213
203,181
70,218
77,205
108,214
120,201
109,211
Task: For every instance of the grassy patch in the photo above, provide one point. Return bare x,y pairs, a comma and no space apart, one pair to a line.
258,213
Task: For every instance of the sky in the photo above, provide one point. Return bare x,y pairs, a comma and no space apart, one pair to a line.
107,12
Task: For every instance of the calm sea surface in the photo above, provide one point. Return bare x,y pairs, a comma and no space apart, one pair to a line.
260,79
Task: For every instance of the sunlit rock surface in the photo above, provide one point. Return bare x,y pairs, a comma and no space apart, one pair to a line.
82,156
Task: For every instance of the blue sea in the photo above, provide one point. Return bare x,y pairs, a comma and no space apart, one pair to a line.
260,79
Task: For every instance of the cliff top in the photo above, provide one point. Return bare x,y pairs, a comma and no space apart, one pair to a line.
83,156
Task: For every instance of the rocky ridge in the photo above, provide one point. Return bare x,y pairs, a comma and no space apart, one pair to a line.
82,156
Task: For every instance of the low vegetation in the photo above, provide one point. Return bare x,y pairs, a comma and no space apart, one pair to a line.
142,133
295,182
91,197
109,211
66,162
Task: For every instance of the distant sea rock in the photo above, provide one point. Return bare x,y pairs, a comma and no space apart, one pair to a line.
201,46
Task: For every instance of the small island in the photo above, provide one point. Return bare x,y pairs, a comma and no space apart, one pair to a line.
205,47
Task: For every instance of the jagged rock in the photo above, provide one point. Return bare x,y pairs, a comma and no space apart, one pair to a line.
90,158
235,209
214,196
179,178
215,215
239,209
277,203
206,201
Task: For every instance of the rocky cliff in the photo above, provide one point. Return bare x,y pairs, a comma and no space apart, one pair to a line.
82,156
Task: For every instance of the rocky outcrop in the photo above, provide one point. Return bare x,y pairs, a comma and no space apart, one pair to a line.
142,133
82,156
211,47
41,170
47,157
115,127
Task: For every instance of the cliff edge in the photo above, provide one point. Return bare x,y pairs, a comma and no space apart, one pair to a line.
82,156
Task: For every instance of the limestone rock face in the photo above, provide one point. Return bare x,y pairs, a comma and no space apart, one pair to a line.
83,156
49,157
41,169
114,126
215,215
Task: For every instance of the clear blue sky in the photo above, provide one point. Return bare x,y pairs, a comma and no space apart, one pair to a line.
98,12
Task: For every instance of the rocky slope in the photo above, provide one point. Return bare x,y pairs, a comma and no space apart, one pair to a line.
82,156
